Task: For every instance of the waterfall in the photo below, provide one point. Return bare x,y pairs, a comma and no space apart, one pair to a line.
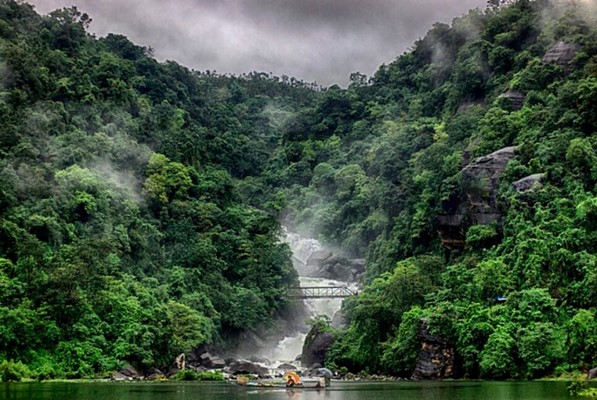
303,251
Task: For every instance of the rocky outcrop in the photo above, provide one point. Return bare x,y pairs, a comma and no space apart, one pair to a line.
515,97
436,358
312,259
478,206
340,268
317,344
561,53
528,183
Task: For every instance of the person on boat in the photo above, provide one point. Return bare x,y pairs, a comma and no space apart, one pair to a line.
290,382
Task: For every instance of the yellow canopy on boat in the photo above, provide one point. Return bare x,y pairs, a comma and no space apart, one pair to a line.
292,375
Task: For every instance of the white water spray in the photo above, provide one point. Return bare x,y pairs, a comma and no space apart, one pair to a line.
287,350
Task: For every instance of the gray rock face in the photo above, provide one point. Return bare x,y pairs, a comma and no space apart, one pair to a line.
286,367
528,183
515,97
247,367
436,357
561,53
480,179
317,344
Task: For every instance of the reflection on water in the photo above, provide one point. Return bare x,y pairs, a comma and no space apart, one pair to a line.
338,391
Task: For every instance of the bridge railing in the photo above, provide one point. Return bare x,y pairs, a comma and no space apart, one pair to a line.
320,292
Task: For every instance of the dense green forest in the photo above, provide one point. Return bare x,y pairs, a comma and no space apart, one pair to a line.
141,202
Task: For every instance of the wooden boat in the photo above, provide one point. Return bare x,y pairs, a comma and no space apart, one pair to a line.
247,383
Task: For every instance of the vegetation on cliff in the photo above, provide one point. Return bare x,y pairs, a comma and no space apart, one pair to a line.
139,201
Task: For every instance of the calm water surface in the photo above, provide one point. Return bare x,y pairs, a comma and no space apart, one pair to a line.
338,391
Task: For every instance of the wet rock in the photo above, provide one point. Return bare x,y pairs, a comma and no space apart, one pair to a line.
246,367
260,360
338,320
155,375
128,373
211,362
317,344
286,367
515,97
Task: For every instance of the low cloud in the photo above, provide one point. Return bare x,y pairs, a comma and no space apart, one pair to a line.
312,40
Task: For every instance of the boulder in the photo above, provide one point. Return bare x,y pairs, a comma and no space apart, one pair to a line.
211,362
436,358
286,367
317,344
155,374
260,360
128,373
242,367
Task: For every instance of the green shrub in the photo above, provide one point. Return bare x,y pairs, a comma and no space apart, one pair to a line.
190,375
11,371
210,376
186,375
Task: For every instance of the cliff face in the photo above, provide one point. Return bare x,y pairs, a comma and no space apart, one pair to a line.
437,357
478,206
561,53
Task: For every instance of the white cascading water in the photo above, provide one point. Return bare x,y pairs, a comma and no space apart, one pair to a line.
291,346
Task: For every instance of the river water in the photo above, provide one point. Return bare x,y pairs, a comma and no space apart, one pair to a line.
338,391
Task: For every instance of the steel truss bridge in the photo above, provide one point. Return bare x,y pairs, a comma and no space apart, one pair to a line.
319,292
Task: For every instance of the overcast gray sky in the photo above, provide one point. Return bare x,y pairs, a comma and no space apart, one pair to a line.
319,41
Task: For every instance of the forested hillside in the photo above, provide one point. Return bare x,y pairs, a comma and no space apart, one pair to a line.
123,237
141,202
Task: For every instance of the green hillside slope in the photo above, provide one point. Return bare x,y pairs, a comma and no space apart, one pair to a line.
140,202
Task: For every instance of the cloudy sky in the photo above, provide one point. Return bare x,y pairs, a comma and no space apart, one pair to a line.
319,41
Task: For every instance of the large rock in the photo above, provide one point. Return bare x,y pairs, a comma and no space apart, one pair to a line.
480,180
242,367
286,367
211,362
317,344
128,373
436,358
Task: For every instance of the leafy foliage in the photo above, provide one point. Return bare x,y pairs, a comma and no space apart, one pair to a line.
140,201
